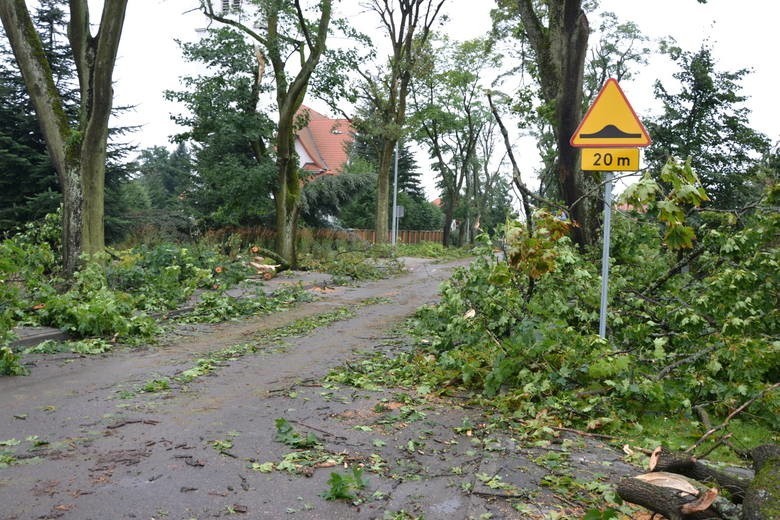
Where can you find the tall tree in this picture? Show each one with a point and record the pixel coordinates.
(28, 181)
(407, 24)
(451, 114)
(707, 121)
(78, 151)
(557, 33)
(229, 133)
(282, 32)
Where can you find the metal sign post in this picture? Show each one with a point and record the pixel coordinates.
(610, 135)
(394, 227)
(605, 254)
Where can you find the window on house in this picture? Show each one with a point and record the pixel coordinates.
(226, 5)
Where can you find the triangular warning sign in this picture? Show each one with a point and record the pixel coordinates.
(610, 122)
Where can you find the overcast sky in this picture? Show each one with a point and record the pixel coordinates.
(739, 32)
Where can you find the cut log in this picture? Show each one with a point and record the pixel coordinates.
(704, 501)
(267, 271)
(664, 460)
(762, 499)
(671, 481)
(667, 501)
(704, 498)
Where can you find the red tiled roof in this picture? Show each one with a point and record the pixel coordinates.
(325, 141)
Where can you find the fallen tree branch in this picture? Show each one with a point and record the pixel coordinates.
(723, 440)
(524, 190)
(733, 414)
(690, 359)
(320, 430)
(676, 269)
(663, 460)
(585, 434)
(119, 424)
(663, 500)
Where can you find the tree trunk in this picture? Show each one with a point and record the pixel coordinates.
(286, 198)
(448, 219)
(762, 498)
(664, 500)
(78, 154)
(72, 218)
(573, 47)
(560, 50)
(288, 188)
(93, 175)
(663, 460)
(385, 167)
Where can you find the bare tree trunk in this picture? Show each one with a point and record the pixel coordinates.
(448, 219)
(572, 45)
(663, 460)
(286, 198)
(669, 502)
(72, 219)
(93, 175)
(383, 191)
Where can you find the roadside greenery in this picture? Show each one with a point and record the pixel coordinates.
(346, 265)
(433, 250)
(693, 325)
(123, 297)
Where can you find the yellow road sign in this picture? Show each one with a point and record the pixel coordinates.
(610, 122)
(610, 159)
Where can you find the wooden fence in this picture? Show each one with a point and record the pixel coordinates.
(405, 236)
(260, 234)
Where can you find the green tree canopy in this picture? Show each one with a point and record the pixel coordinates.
(227, 131)
(707, 121)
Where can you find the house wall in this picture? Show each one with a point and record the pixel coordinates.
(301, 151)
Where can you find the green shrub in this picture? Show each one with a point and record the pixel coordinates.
(521, 333)
(10, 363)
(91, 308)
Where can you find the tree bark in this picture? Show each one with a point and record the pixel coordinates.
(663, 460)
(383, 190)
(560, 50)
(286, 195)
(762, 498)
(78, 154)
(666, 501)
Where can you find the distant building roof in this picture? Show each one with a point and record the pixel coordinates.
(322, 144)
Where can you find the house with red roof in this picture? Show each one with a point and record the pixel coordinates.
(322, 144)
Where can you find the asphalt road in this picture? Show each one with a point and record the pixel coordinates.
(85, 441)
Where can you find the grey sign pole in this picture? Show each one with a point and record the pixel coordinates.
(394, 227)
(605, 254)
